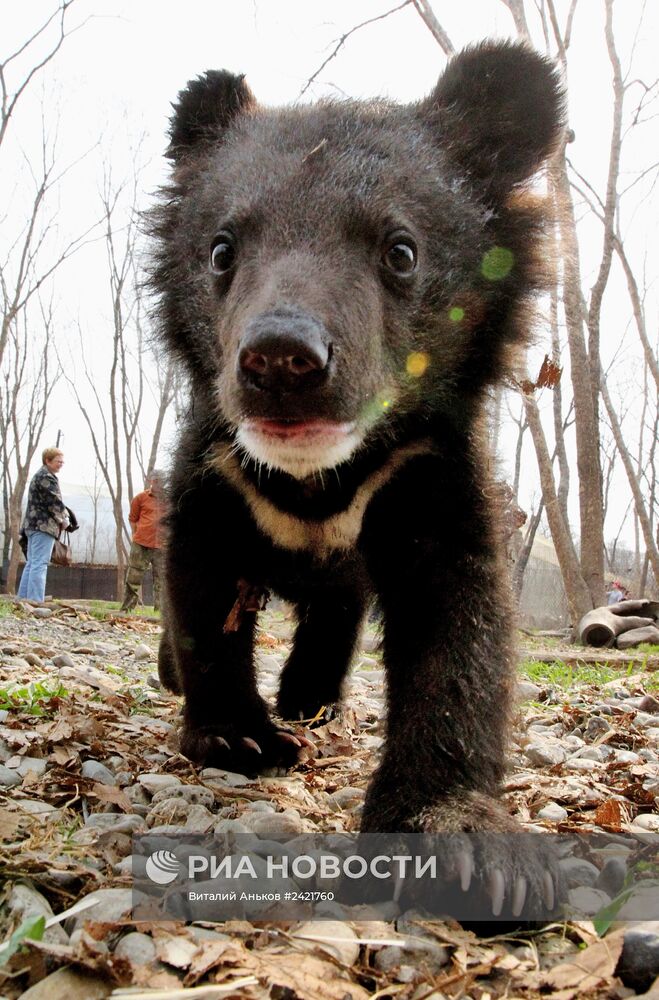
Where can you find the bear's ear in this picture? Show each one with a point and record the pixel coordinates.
(205, 107)
(498, 112)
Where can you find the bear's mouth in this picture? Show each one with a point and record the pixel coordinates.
(298, 447)
(300, 432)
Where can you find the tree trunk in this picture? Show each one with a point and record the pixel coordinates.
(578, 594)
(632, 478)
(586, 428)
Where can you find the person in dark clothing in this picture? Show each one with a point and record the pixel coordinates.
(144, 517)
(45, 518)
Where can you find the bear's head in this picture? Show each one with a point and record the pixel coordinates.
(335, 274)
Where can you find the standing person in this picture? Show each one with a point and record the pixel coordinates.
(144, 517)
(45, 518)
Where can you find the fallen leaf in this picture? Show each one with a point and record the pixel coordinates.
(587, 970)
(609, 814)
(9, 824)
(110, 793)
(307, 976)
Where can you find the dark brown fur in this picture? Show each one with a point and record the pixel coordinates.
(312, 314)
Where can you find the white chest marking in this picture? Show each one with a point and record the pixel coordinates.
(322, 538)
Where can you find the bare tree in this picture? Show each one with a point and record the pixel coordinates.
(121, 387)
(28, 380)
(54, 31)
(632, 478)
(578, 595)
(31, 253)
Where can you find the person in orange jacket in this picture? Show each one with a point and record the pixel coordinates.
(145, 550)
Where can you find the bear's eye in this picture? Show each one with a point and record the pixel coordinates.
(400, 256)
(223, 253)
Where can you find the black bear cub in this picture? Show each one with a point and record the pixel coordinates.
(343, 283)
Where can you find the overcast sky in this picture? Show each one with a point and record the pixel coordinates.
(113, 80)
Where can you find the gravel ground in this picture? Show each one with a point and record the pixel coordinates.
(88, 756)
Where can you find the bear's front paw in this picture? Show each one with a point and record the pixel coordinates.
(502, 870)
(246, 749)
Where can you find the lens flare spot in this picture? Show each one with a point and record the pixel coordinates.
(417, 363)
(497, 263)
(456, 314)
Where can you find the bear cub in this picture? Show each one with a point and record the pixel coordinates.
(343, 283)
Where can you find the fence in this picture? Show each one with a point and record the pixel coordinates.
(87, 582)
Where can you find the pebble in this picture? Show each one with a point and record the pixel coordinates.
(194, 794)
(626, 756)
(155, 782)
(348, 796)
(268, 663)
(178, 812)
(581, 765)
(98, 772)
(214, 776)
(639, 963)
(545, 754)
(553, 812)
(647, 821)
(143, 652)
(526, 691)
(138, 795)
(260, 805)
(69, 983)
(137, 948)
(134, 865)
(110, 906)
(229, 826)
(42, 612)
(596, 726)
(642, 905)
(591, 753)
(579, 872)
(34, 661)
(63, 660)
(276, 826)
(432, 956)
(9, 777)
(152, 722)
(344, 945)
(37, 765)
(649, 703)
(587, 900)
(612, 876)
(25, 901)
(117, 822)
(36, 808)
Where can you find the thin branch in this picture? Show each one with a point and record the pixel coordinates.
(343, 39)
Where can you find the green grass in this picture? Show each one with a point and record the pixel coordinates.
(33, 699)
(564, 675)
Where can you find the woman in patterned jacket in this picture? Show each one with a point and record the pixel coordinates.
(45, 517)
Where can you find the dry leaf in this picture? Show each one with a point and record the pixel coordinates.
(609, 814)
(549, 375)
(309, 977)
(110, 793)
(586, 970)
(9, 824)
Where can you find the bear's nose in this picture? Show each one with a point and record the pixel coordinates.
(284, 353)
